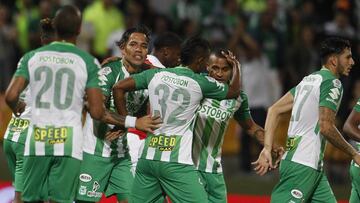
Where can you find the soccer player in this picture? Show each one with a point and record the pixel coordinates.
(165, 54)
(106, 163)
(175, 94)
(211, 123)
(15, 135)
(58, 76)
(313, 103)
(166, 51)
(351, 127)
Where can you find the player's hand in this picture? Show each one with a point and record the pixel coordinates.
(232, 59)
(264, 162)
(148, 123)
(277, 153)
(20, 108)
(356, 158)
(114, 134)
(110, 59)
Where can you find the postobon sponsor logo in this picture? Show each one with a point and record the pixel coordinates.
(215, 112)
(85, 177)
(93, 192)
(296, 193)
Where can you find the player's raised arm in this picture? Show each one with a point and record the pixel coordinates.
(234, 86)
(283, 105)
(119, 90)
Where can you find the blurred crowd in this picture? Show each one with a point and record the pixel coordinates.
(275, 40)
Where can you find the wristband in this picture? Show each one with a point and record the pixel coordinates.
(130, 122)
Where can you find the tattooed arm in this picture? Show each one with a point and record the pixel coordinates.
(253, 129)
(331, 133)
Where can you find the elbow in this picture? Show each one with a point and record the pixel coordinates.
(232, 94)
(10, 97)
(96, 114)
(273, 110)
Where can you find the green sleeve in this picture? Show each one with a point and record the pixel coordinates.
(292, 91)
(357, 106)
(330, 94)
(107, 76)
(22, 67)
(243, 113)
(143, 79)
(93, 68)
(212, 89)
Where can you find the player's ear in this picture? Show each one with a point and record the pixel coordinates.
(333, 59)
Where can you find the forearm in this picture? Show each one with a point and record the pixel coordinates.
(113, 118)
(270, 126)
(257, 133)
(12, 103)
(335, 138)
(120, 102)
(234, 86)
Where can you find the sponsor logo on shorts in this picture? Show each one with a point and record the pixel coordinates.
(93, 192)
(82, 190)
(85, 177)
(296, 193)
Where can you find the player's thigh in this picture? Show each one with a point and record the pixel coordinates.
(93, 177)
(35, 176)
(297, 183)
(63, 179)
(214, 186)
(19, 163)
(146, 186)
(121, 180)
(323, 192)
(355, 184)
(182, 183)
(10, 155)
(14, 154)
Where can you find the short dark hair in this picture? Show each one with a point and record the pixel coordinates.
(193, 48)
(332, 45)
(167, 39)
(138, 29)
(67, 21)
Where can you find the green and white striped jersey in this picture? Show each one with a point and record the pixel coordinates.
(212, 120)
(175, 94)
(305, 144)
(357, 109)
(94, 130)
(18, 126)
(58, 75)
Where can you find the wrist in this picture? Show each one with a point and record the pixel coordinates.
(130, 122)
(268, 147)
